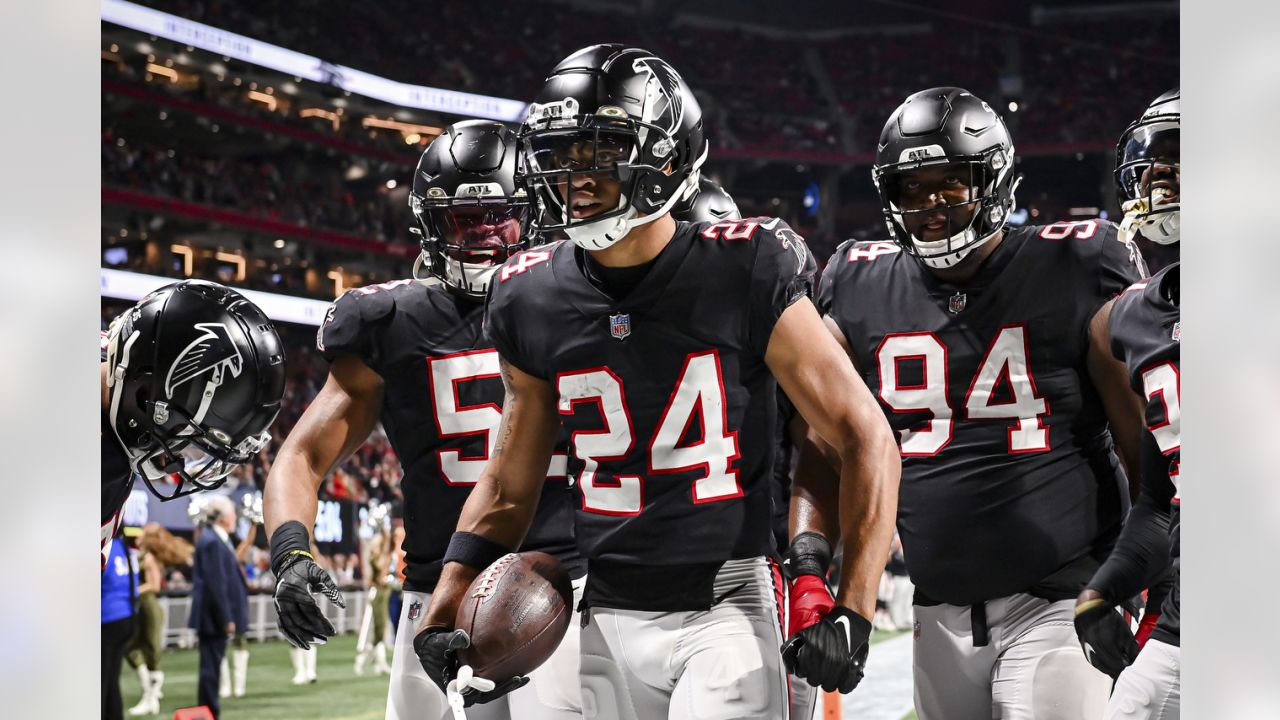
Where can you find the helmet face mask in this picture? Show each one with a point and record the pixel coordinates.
(464, 240)
(954, 147)
(613, 141)
(469, 211)
(941, 234)
(195, 375)
(1147, 174)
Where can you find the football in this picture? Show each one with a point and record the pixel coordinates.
(516, 613)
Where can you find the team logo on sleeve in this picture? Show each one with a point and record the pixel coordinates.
(212, 352)
(620, 325)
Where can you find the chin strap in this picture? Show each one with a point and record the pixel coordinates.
(115, 381)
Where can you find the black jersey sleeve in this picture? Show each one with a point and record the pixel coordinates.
(502, 323)
(1120, 264)
(348, 325)
(824, 294)
(780, 275)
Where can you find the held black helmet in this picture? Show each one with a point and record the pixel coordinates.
(470, 213)
(1149, 149)
(195, 374)
(615, 112)
(710, 204)
(947, 126)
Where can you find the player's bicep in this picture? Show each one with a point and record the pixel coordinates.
(819, 378)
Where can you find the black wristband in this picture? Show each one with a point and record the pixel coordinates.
(474, 551)
(289, 537)
(809, 554)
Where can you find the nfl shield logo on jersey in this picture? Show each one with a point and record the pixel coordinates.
(956, 303)
(620, 325)
(415, 610)
(1177, 331)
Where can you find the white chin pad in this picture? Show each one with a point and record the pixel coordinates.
(468, 276)
(934, 255)
(602, 233)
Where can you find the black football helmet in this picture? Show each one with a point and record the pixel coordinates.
(195, 374)
(710, 204)
(1149, 151)
(469, 210)
(618, 112)
(947, 126)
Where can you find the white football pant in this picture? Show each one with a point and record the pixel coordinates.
(552, 692)
(1150, 688)
(717, 664)
(1032, 668)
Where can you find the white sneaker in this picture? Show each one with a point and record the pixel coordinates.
(147, 704)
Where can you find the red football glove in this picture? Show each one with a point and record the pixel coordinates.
(810, 602)
(1145, 627)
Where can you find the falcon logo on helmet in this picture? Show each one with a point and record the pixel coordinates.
(212, 352)
(662, 94)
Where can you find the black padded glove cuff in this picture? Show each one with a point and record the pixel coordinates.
(809, 554)
(289, 538)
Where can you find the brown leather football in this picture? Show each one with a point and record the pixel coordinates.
(516, 613)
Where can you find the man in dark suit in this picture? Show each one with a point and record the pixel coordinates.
(218, 591)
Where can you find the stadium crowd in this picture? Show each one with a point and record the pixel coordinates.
(1063, 79)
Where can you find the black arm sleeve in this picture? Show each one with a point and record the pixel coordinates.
(1141, 555)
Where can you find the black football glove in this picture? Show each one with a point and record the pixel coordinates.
(437, 650)
(831, 654)
(1104, 635)
(301, 621)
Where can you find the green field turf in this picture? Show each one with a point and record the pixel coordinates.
(338, 695)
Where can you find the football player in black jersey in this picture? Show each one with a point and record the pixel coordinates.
(413, 354)
(1146, 333)
(987, 351)
(808, 597)
(192, 378)
(656, 344)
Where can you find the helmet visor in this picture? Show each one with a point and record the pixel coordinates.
(479, 234)
(578, 176)
(1143, 148)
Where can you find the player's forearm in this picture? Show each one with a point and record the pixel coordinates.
(815, 490)
(497, 514)
(869, 476)
(454, 581)
(292, 491)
